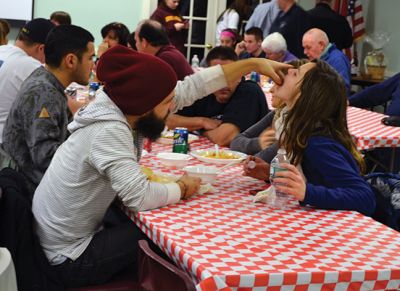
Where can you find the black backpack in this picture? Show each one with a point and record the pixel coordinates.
(386, 187)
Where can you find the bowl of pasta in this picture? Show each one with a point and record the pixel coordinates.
(223, 156)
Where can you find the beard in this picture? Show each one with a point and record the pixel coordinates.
(150, 126)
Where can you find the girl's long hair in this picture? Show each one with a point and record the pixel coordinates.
(319, 110)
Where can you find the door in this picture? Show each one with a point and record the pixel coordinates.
(202, 16)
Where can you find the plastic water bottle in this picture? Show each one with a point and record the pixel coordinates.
(281, 158)
(195, 63)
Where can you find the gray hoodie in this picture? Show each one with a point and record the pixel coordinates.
(97, 163)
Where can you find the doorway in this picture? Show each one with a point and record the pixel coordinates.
(202, 16)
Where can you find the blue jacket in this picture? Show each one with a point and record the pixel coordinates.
(379, 94)
(333, 178)
(339, 62)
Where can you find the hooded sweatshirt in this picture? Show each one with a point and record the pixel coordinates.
(98, 163)
(95, 165)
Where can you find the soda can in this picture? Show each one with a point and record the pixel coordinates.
(180, 144)
(254, 76)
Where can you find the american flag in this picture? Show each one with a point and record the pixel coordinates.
(352, 10)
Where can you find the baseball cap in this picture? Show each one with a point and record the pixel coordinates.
(37, 29)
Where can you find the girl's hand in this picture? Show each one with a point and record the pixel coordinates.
(292, 180)
(179, 26)
(266, 138)
(103, 47)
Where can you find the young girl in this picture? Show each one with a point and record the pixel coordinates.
(316, 137)
(260, 139)
(232, 17)
(228, 37)
(167, 13)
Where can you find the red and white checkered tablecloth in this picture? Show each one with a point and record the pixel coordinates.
(227, 242)
(367, 128)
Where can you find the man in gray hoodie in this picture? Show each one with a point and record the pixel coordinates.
(99, 162)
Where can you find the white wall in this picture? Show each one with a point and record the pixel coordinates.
(92, 14)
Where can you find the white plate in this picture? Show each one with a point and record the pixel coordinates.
(174, 159)
(199, 154)
(168, 138)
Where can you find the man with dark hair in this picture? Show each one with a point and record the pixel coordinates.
(220, 53)
(250, 47)
(332, 23)
(38, 119)
(18, 61)
(151, 38)
(60, 18)
(228, 111)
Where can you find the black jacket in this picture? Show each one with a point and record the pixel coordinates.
(16, 234)
(335, 25)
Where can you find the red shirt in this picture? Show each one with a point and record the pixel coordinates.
(176, 60)
(168, 17)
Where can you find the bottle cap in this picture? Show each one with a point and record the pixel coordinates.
(282, 151)
(251, 165)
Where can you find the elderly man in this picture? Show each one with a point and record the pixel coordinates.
(317, 46)
(274, 46)
(151, 38)
(100, 162)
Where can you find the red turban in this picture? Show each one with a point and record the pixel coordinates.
(135, 82)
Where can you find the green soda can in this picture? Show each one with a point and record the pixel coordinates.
(180, 144)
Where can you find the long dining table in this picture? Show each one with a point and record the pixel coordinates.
(225, 241)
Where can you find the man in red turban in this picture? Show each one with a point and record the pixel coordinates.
(99, 162)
